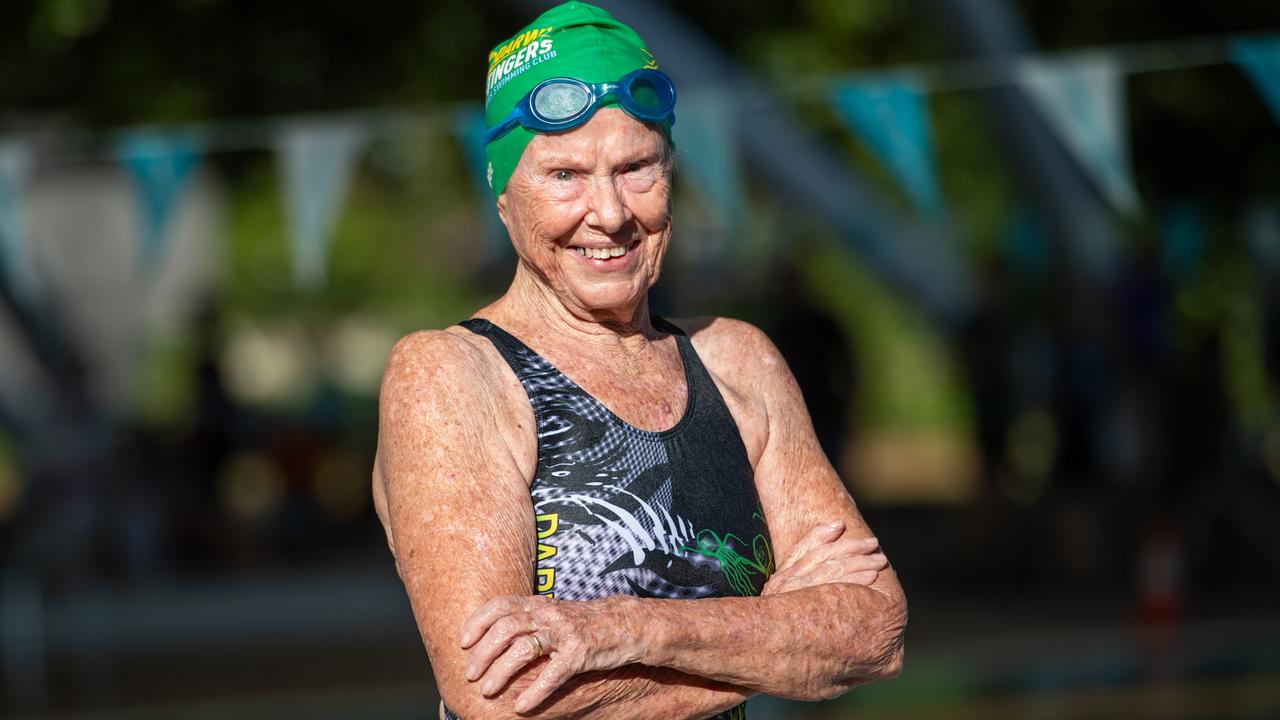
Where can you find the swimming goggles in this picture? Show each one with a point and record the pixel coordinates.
(564, 103)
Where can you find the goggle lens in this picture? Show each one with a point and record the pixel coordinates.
(649, 94)
(560, 101)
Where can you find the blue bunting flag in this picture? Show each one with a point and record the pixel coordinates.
(1259, 58)
(889, 115)
(1082, 99)
(707, 144)
(160, 165)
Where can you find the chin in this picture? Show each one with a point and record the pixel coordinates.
(614, 296)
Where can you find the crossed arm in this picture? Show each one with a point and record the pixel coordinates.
(460, 523)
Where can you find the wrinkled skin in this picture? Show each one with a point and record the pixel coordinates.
(582, 636)
(457, 453)
(608, 186)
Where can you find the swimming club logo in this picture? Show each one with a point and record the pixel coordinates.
(518, 55)
(651, 63)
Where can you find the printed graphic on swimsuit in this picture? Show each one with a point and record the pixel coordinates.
(653, 551)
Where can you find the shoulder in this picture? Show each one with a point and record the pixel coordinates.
(433, 380)
(432, 356)
(449, 385)
(735, 349)
(747, 369)
(452, 368)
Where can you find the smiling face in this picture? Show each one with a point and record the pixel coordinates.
(589, 212)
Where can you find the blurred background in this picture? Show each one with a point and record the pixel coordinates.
(1022, 256)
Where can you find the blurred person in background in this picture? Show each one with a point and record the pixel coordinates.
(562, 475)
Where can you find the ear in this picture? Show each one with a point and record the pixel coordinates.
(501, 204)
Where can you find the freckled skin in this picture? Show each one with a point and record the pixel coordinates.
(457, 453)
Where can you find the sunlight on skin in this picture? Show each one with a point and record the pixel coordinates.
(605, 184)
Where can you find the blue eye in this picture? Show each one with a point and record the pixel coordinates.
(564, 175)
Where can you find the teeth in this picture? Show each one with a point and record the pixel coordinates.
(604, 253)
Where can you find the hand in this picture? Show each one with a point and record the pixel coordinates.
(826, 555)
(509, 633)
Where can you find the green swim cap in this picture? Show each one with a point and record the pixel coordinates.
(573, 40)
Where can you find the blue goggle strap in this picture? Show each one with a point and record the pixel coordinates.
(504, 127)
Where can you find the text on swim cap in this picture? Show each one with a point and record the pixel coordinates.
(523, 59)
(516, 43)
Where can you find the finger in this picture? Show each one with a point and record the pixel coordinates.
(860, 544)
(864, 577)
(837, 543)
(496, 641)
(553, 676)
(834, 551)
(817, 536)
(858, 563)
(847, 547)
(520, 652)
(836, 571)
(487, 614)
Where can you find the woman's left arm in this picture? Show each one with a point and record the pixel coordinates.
(808, 641)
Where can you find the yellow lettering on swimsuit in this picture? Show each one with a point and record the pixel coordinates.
(546, 580)
(553, 523)
(546, 527)
(545, 551)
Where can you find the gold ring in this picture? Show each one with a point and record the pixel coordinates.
(538, 642)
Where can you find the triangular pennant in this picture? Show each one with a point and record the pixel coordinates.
(1082, 99)
(160, 165)
(707, 144)
(15, 264)
(316, 163)
(889, 115)
(469, 126)
(1259, 58)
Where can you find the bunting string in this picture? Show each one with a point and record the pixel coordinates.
(986, 73)
(1079, 93)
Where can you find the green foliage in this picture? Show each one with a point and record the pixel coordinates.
(58, 23)
(166, 385)
(1223, 303)
(909, 380)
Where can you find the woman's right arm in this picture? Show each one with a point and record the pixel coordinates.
(455, 504)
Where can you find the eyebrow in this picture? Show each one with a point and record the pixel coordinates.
(555, 161)
(559, 161)
(651, 156)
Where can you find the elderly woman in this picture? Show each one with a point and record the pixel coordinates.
(597, 512)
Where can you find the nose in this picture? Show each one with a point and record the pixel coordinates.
(608, 212)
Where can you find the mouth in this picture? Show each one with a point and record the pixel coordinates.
(607, 254)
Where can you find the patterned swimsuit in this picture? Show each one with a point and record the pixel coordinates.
(620, 510)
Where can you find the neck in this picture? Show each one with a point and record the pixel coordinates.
(530, 304)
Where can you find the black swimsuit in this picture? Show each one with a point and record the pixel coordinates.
(620, 510)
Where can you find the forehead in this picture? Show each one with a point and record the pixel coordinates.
(609, 134)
